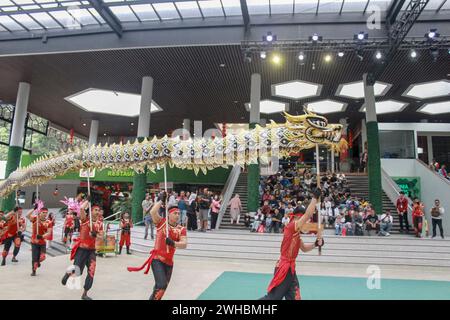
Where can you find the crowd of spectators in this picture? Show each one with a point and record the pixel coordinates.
(291, 188)
(441, 169)
(198, 211)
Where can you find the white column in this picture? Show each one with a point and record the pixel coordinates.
(93, 133)
(430, 149)
(363, 135)
(20, 115)
(198, 129)
(332, 160)
(144, 113)
(369, 101)
(186, 127)
(255, 98)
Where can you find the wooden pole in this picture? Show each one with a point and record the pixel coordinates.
(167, 211)
(89, 196)
(319, 218)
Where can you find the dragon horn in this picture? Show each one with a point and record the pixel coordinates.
(294, 119)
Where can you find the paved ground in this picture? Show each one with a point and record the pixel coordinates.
(191, 277)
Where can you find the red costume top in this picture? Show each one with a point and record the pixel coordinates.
(2, 230)
(42, 227)
(289, 252)
(175, 233)
(69, 221)
(160, 251)
(51, 224)
(417, 211)
(13, 227)
(126, 225)
(402, 205)
(86, 240)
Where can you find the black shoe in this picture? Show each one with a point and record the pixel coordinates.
(85, 297)
(120, 251)
(14, 259)
(65, 278)
(128, 250)
(33, 274)
(153, 238)
(3, 262)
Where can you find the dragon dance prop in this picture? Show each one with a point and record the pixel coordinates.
(199, 154)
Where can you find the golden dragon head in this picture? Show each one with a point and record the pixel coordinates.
(309, 129)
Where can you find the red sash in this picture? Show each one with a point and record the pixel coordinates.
(75, 247)
(284, 265)
(147, 263)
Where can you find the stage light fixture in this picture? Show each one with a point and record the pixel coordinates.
(269, 37)
(248, 56)
(413, 54)
(327, 58)
(378, 55)
(276, 58)
(432, 34)
(301, 56)
(434, 53)
(359, 54)
(315, 38)
(263, 55)
(340, 54)
(361, 36)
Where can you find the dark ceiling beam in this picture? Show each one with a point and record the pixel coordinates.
(245, 14)
(105, 12)
(397, 32)
(393, 11)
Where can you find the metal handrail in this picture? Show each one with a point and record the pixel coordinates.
(395, 187)
(437, 174)
(227, 192)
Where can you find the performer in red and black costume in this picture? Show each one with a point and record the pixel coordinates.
(161, 257)
(14, 226)
(69, 225)
(83, 251)
(285, 282)
(125, 236)
(2, 227)
(41, 230)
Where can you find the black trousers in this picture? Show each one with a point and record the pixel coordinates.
(404, 219)
(86, 258)
(288, 289)
(437, 222)
(214, 217)
(162, 273)
(192, 221)
(37, 255)
(7, 244)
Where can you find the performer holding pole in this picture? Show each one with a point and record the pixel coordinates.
(125, 236)
(285, 282)
(319, 217)
(41, 230)
(14, 226)
(83, 251)
(169, 237)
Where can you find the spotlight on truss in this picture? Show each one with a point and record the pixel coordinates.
(315, 38)
(269, 37)
(361, 36)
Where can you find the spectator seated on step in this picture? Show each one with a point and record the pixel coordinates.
(259, 219)
(285, 221)
(386, 222)
(358, 222)
(371, 221)
(339, 224)
(269, 223)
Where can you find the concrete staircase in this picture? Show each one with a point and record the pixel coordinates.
(359, 186)
(241, 189)
(398, 250)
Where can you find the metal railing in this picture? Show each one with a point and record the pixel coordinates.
(392, 190)
(227, 192)
(436, 173)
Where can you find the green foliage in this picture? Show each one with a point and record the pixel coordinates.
(123, 204)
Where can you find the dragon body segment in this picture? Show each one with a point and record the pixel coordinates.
(199, 154)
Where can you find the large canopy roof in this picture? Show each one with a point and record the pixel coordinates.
(193, 51)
